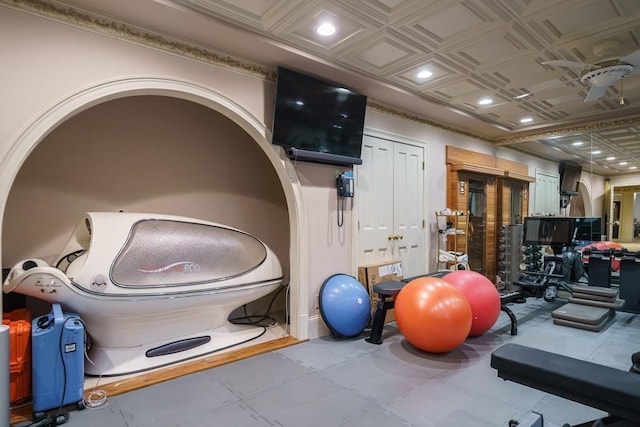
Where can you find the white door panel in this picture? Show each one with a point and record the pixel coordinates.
(375, 201)
(390, 197)
(547, 188)
(408, 205)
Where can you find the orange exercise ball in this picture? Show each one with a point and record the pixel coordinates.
(432, 315)
(482, 295)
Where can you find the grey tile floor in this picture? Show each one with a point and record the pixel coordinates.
(329, 382)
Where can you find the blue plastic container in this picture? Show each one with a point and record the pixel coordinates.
(57, 343)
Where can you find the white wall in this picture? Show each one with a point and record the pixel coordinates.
(54, 62)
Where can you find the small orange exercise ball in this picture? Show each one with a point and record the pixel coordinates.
(432, 315)
(482, 295)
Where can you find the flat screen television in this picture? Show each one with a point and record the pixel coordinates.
(587, 229)
(569, 179)
(552, 231)
(316, 120)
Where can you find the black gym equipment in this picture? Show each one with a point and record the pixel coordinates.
(599, 267)
(629, 284)
(611, 390)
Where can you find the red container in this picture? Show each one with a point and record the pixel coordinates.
(19, 322)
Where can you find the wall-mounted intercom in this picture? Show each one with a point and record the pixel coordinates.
(345, 184)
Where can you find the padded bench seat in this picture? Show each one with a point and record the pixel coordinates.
(611, 390)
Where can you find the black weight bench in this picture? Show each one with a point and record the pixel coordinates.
(388, 290)
(611, 390)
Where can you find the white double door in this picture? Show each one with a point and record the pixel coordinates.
(391, 203)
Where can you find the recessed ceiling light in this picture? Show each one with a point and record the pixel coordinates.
(577, 143)
(596, 152)
(424, 74)
(326, 29)
(526, 120)
(610, 158)
(623, 163)
(485, 101)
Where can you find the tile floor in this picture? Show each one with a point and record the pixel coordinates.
(329, 382)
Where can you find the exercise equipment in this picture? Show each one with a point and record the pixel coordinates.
(483, 298)
(606, 248)
(629, 284)
(611, 390)
(344, 305)
(388, 290)
(600, 266)
(590, 308)
(433, 315)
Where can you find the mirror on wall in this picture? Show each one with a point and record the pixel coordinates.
(609, 155)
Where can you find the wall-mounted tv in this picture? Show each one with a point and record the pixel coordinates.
(553, 231)
(587, 229)
(318, 121)
(569, 179)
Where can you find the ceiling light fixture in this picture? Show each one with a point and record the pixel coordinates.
(524, 95)
(485, 101)
(623, 163)
(526, 120)
(633, 167)
(424, 74)
(610, 158)
(596, 152)
(577, 143)
(326, 29)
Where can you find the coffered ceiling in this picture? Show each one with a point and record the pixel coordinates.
(474, 49)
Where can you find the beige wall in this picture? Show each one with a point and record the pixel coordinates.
(143, 154)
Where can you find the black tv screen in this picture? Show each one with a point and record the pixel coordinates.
(587, 229)
(317, 117)
(552, 231)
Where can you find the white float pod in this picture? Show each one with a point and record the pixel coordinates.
(153, 289)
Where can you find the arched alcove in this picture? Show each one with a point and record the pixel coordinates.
(91, 175)
(581, 204)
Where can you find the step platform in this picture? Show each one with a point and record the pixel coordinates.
(582, 316)
(603, 298)
(596, 292)
(614, 305)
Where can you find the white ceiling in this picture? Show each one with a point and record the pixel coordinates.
(475, 49)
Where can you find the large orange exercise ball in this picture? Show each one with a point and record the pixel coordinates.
(432, 315)
(482, 295)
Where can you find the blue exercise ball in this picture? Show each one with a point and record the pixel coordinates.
(344, 305)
